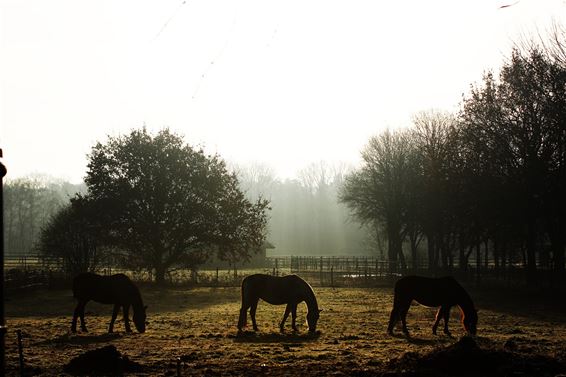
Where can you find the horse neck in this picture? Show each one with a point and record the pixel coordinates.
(310, 300)
(137, 303)
(466, 304)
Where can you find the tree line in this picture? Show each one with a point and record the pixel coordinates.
(29, 203)
(304, 217)
(486, 182)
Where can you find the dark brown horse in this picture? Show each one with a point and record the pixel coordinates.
(290, 290)
(444, 292)
(115, 289)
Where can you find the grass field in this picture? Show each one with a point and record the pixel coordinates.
(193, 332)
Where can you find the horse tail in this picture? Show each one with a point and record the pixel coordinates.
(242, 320)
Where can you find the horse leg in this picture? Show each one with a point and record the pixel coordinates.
(294, 317)
(253, 308)
(287, 311)
(81, 308)
(75, 316)
(403, 311)
(446, 315)
(439, 314)
(114, 315)
(393, 318)
(242, 319)
(127, 317)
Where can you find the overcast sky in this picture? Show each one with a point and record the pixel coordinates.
(282, 82)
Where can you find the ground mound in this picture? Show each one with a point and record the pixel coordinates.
(102, 361)
(466, 358)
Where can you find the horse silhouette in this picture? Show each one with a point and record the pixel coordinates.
(290, 290)
(444, 292)
(115, 289)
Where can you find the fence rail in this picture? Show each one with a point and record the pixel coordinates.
(318, 270)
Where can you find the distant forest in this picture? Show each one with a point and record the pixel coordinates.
(305, 216)
(29, 203)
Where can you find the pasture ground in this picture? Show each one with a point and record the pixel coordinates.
(195, 330)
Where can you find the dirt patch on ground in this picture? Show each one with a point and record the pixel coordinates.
(193, 331)
(105, 361)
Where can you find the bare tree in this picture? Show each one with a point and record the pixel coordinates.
(434, 139)
(377, 194)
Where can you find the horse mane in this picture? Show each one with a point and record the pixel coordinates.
(137, 302)
(311, 299)
(466, 305)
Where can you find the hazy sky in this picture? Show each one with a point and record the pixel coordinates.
(283, 82)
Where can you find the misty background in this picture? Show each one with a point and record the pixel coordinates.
(287, 92)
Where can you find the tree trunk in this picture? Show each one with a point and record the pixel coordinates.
(557, 241)
(395, 252)
(531, 252)
(431, 252)
(160, 271)
(478, 263)
(401, 256)
(462, 257)
(413, 239)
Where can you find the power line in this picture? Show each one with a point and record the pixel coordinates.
(170, 18)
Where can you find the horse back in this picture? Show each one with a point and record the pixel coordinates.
(113, 289)
(429, 291)
(276, 290)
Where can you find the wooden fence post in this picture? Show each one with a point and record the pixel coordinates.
(321, 276)
(332, 276)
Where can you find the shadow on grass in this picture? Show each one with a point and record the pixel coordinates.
(49, 303)
(431, 341)
(535, 304)
(437, 340)
(77, 339)
(253, 337)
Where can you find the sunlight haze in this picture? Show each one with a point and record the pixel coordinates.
(285, 83)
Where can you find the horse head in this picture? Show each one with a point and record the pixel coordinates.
(139, 319)
(470, 322)
(312, 319)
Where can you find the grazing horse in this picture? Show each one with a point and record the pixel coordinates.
(290, 290)
(444, 292)
(115, 289)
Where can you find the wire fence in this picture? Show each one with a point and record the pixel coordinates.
(30, 271)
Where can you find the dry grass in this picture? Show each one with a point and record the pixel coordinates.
(198, 327)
